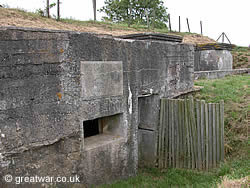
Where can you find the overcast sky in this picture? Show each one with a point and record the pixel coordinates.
(229, 16)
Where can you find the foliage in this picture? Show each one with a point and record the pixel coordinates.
(136, 12)
(52, 5)
(42, 12)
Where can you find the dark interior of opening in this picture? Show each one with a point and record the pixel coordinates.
(90, 128)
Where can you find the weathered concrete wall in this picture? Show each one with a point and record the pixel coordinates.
(207, 60)
(45, 98)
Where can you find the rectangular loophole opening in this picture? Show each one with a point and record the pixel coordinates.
(91, 128)
(101, 131)
(104, 126)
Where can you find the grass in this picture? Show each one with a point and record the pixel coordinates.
(152, 177)
(241, 57)
(122, 26)
(234, 90)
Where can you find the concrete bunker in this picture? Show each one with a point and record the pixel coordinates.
(213, 56)
(53, 83)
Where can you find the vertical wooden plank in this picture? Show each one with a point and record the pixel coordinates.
(163, 134)
(202, 134)
(177, 136)
(193, 133)
(210, 128)
(166, 134)
(214, 137)
(217, 133)
(159, 133)
(180, 117)
(206, 136)
(190, 135)
(170, 133)
(185, 147)
(173, 136)
(184, 141)
(199, 146)
(187, 135)
(222, 128)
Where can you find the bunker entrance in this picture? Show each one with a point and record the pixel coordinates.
(91, 128)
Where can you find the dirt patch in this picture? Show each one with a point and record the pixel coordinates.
(197, 39)
(19, 18)
(239, 183)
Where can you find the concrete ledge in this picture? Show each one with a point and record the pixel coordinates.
(218, 73)
(101, 140)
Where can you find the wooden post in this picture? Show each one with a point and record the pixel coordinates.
(180, 132)
(48, 9)
(214, 136)
(207, 133)
(58, 10)
(185, 144)
(187, 122)
(163, 147)
(202, 134)
(94, 9)
(169, 22)
(199, 145)
(170, 132)
(159, 134)
(188, 26)
(179, 24)
(193, 134)
(217, 133)
(219, 37)
(177, 136)
(227, 38)
(166, 164)
(222, 128)
(210, 133)
(201, 27)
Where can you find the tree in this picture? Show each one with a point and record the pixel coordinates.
(136, 11)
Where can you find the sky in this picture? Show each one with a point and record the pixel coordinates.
(217, 16)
